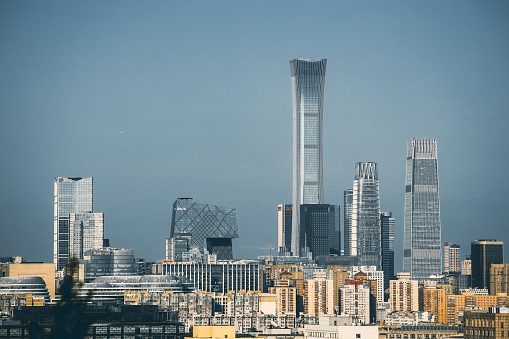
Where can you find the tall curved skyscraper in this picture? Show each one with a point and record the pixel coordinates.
(308, 80)
(422, 239)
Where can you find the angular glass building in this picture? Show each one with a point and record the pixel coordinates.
(198, 225)
(308, 80)
(365, 227)
(71, 195)
(422, 231)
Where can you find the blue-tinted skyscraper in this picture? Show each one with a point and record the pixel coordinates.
(387, 229)
(71, 195)
(422, 239)
(308, 80)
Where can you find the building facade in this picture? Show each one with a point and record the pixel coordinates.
(347, 222)
(483, 253)
(318, 222)
(308, 81)
(387, 230)
(71, 195)
(86, 232)
(404, 294)
(452, 258)
(284, 229)
(365, 230)
(202, 226)
(499, 279)
(422, 230)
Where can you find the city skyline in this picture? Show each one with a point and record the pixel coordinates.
(163, 100)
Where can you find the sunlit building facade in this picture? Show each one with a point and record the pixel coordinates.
(86, 232)
(71, 195)
(284, 229)
(422, 230)
(308, 80)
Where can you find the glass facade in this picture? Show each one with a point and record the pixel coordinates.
(71, 195)
(317, 222)
(198, 225)
(365, 228)
(483, 253)
(422, 230)
(86, 232)
(347, 221)
(308, 80)
(387, 229)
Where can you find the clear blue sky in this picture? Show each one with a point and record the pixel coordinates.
(202, 91)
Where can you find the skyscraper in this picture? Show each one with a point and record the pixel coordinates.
(317, 222)
(387, 229)
(422, 232)
(86, 232)
(365, 228)
(485, 252)
(347, 222)
(198, 225)
(71, 195)
(308, 80)
(284, 228)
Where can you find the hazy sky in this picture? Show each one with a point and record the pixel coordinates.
(165, 99)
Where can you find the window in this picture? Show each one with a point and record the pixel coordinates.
(357, 335)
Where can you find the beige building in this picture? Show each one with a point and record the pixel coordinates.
(499, 278)
(44, 270)
(404, 293)
(456, 304)
(319, 295)
(487, 325)
(286, 297)
(213, 332)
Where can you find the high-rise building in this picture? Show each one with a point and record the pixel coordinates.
(404, 294)
(201, 226)
(317, 222)
(483, 253)
(452, 258)
(422, 231)
(284, 228)
(499, 279)
(365, 228)
(347, 222)
(387, 229)
(71, 195)
(308, 80)
(86, 232)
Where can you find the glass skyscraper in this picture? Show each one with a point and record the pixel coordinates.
(308, 80)
(347, 222)
(422, 231)
(485, 252)
(71, 195)
(365, 232)
(387, 229)
(198, 225)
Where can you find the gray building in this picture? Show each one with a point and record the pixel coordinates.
(347, 222)
(387, 229)
(319, 232)
(71, 195)
(365, 231)
(422, 230)
(202, 226)
(308, 81)
(109, 262)
(284, 229)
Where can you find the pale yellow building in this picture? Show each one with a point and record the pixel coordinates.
(470, 301)
(404, 294)
(499, 278)
(435, 302)
(286, 296)
(213, 332)
(44, 270)
(318, 296)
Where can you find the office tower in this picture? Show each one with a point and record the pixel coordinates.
(485, 252)
(335, 231)
(86, 232)
(365, 229)
(198, 225)
(71, 195)
(317, 222)
(422, 235)
(284, 228)
(308, 80)
(499, 279)
(465, 279)
(387, 229)
(452, 258)
(347, 222)
(404, 294)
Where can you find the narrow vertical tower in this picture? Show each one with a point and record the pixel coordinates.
(422, 238)
(365, 226)
(308, 80)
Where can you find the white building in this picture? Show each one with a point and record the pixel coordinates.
(354, 301)
(335, 328)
